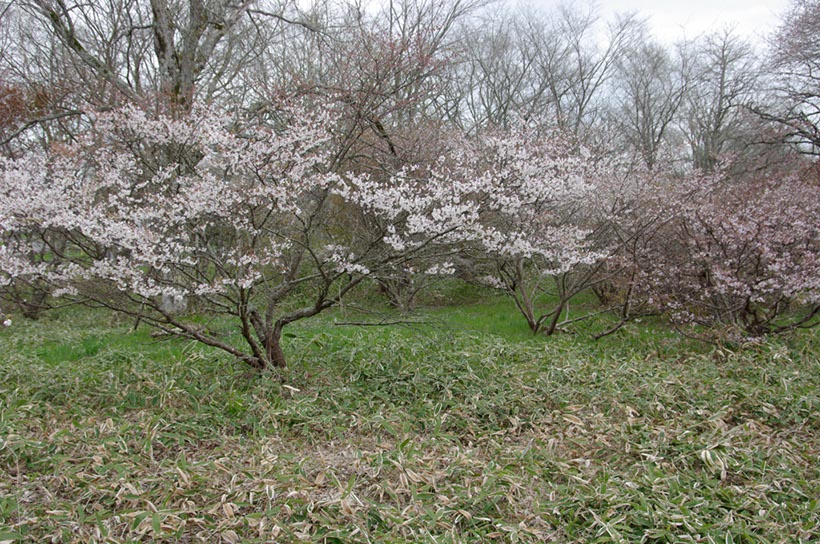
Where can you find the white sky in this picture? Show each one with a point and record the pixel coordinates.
(672, 20)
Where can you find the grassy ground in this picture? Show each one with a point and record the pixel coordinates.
(467, 430)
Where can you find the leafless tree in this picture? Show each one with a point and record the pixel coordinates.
(795, 52)
(530, 64)
(577, 60)
(650, 87)
(724, 75)
(172, 52)
(495, 76)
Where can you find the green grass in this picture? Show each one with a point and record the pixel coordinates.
(463, 429)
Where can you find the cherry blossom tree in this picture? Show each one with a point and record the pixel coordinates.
(740, 253)
(221, 216)
(630, 210)
(6, 320)
(534, 244)
(163, 218)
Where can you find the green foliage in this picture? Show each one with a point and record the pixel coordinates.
(465, 429)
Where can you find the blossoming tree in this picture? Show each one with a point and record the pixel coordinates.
(221, 216)
(535, 243)
(205, 215)
(744, 254)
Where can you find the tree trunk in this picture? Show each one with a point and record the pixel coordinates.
(273, 346)
(277, 356)
(553, 325)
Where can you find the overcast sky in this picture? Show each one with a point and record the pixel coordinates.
(672, 20)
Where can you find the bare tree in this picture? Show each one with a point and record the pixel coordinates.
(496, 76)
(576, 61)
(723, 86)
(525, 63)
(795, 52)
(651, 85)
(172, 52)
